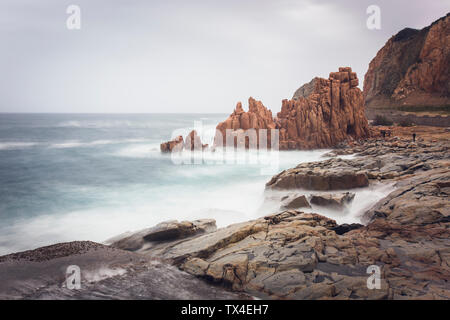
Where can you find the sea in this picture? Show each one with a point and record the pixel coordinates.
(66, 177)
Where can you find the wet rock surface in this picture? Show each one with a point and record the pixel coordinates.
(106, 273)
(164, 233)
(332, 174)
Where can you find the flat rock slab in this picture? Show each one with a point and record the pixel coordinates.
(333, 174)
(106, 273)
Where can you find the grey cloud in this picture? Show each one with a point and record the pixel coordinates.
(185, 56)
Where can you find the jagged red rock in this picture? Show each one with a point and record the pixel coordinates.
(173, 145)
(321, 114)
(258, 117)
(192, 142)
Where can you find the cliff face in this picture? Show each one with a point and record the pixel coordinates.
(411, 69)
(322, 114)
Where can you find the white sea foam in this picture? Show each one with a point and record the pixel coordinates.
(102, 273)
(227, 204)
(105, 124)
(364, 199)
(16, 145)
(79, 144)
(347, 156)
(139, 151)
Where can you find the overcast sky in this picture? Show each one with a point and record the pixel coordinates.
(185, 55)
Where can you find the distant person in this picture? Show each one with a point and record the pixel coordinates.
(389, 133)
(383, 133)
(414, 137)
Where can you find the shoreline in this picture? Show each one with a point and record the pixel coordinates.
(297, 255)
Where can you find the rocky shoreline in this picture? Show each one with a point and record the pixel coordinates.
(289, 254)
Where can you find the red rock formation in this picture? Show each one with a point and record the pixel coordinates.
(328, 112)
(192, 142)
(257, 117)
(173, 145)
(411, 69)
(321, 114)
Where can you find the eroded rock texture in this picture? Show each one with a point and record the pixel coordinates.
(321, 114)
(239, 122)
(411, 69)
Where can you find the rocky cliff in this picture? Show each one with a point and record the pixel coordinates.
(321, 114)
(411, 69)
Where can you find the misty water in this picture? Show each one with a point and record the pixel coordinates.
(67, 177)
